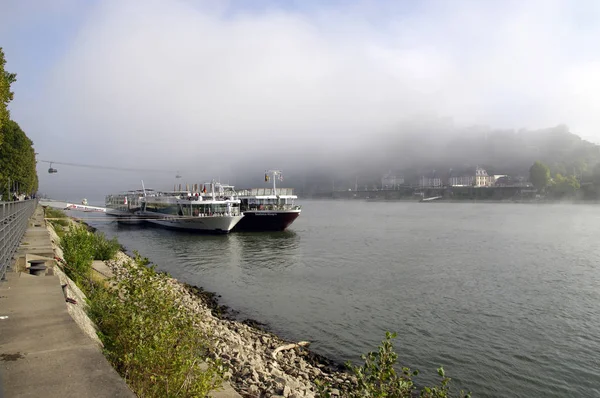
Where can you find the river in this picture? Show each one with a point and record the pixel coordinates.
(505, 296)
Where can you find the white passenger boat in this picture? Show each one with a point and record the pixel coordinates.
(214, 209)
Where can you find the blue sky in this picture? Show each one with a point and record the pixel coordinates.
(108, 76)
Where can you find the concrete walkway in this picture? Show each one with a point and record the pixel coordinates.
(43, 353)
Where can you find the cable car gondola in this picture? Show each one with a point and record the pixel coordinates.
(51, 170)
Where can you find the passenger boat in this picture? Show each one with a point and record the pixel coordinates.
(126, 206)
(268, 209)
(215, 209)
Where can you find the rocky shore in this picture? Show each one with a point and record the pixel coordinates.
(258, 363)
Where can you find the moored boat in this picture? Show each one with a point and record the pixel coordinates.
(126, 206)
(268, 209)
(212, 210)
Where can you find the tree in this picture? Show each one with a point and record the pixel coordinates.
(539, 175)
(564, 186)
(17, 160)
(6, 79)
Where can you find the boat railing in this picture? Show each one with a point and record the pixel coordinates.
(266, 192)
(274, 207)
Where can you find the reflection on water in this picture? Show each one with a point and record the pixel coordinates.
(270, 250)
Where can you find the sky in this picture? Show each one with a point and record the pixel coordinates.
(209, 88)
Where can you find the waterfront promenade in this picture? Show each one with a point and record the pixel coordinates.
(43, 352)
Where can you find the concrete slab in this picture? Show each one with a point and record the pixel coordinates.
(101, 268)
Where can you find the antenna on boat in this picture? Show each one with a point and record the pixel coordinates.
(143, 188)
(274, 175)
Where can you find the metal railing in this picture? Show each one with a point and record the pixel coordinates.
(13, 223)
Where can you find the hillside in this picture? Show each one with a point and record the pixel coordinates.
(422, 150)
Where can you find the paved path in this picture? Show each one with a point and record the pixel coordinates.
(43, 353)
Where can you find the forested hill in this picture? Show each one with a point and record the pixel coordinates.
(427, 149)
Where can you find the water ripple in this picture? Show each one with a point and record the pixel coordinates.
(505, 297)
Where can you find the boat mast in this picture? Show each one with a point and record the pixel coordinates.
(274, 174)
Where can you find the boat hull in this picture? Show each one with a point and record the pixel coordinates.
(125, 217)
(211, 225)
(264, 220)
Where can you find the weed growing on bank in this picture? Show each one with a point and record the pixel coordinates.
(81, 248)
(152, 342)
(58, 220)
(148, 337)
(378, 378)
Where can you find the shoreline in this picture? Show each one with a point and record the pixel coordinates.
(259, 362)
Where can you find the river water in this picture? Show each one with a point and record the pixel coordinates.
(505, 296)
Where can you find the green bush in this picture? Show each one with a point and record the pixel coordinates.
(78, 247)
(105, 249)
(60, 218)
(377, 378)
(149, 339)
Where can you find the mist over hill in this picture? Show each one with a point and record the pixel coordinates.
(417, 148)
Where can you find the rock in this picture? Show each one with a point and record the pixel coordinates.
(253, 389)
(335, 392)
(287, 391)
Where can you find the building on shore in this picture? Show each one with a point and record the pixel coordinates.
(430, 182)
(391, 181)
(463, 181)
(479, 178)
(482, 179)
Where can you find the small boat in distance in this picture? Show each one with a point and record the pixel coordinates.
(431, 199)
(268, 209)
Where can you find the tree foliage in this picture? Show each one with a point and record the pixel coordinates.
(539, 175)
(564, 186)
(6, 79)
(17, 161)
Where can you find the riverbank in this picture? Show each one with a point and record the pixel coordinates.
(257, 363)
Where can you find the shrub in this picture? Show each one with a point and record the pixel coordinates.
(59, 217)
(377, 377)
(78, 250)
(81, 247)
(149, 339)
(105, 249)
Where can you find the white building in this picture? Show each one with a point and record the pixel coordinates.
(464, 181)
(430, 182)
(479, 179)
(391, 181)
(482, 179)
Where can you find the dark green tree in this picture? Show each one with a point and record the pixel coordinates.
(17, 161)
(539, 175)
(6, 79)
